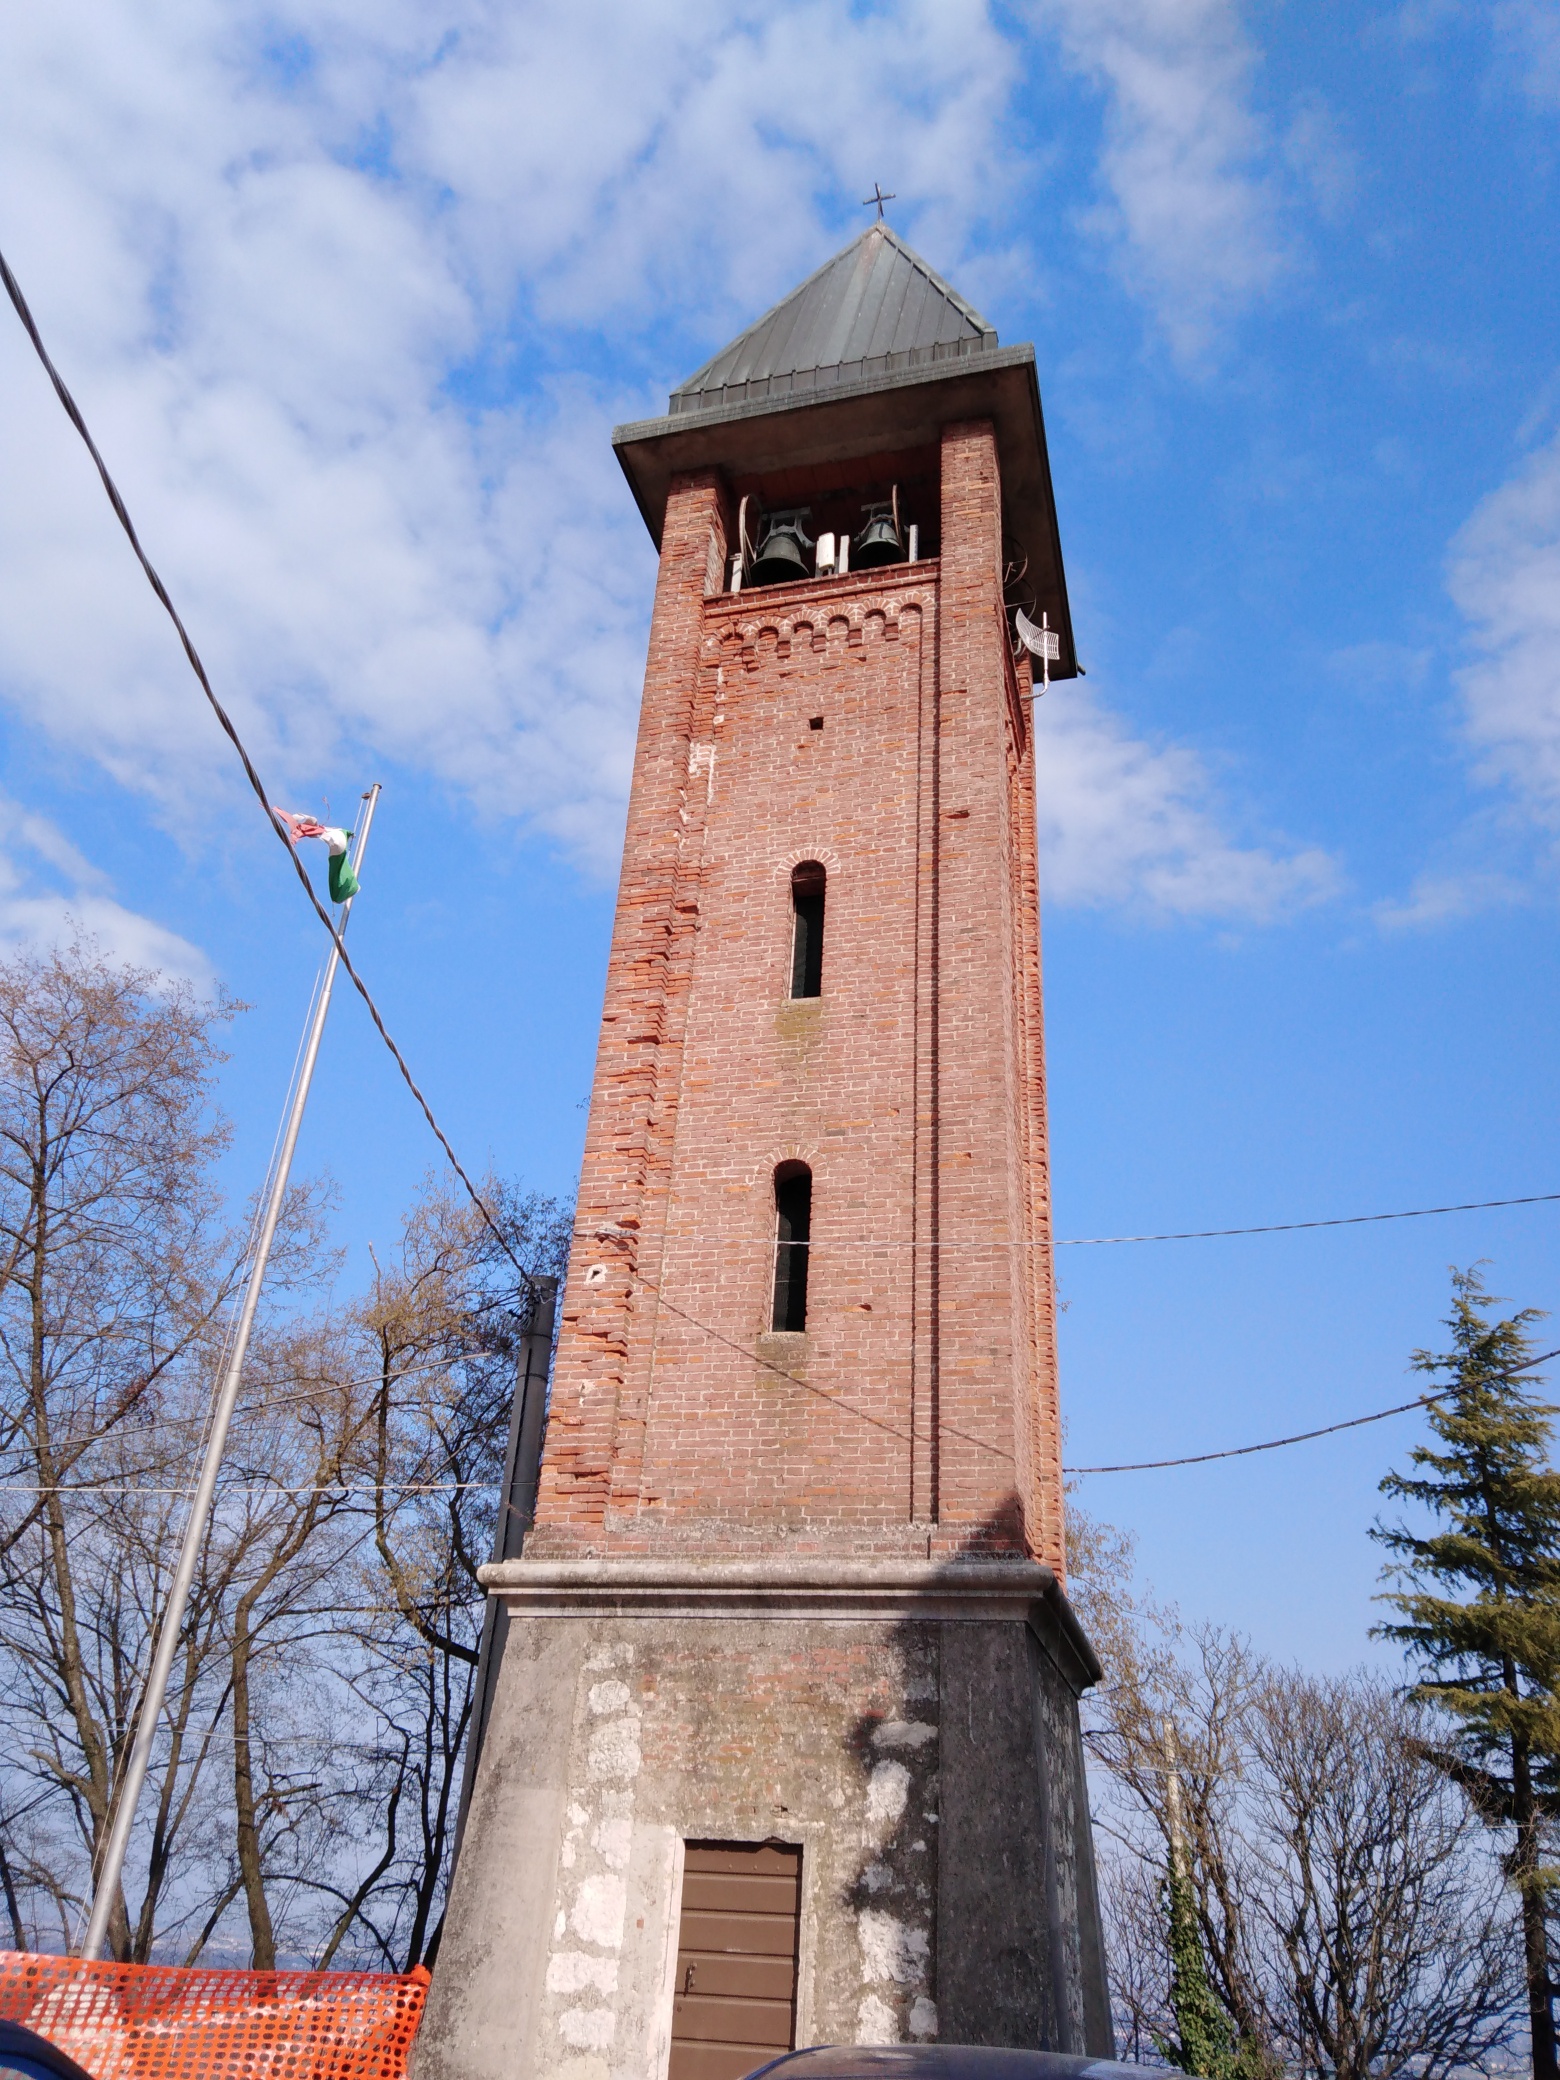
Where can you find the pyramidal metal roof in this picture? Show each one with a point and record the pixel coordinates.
(874, 309)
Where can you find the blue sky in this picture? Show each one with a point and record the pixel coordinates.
(353, 295)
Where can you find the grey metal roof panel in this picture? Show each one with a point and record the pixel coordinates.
(876, 307)
(885, 308)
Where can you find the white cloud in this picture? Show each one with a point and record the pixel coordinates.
(1122, 821)
(1316, 152)
(279, 253)
(265, 245)
(1438, 898)
(1527, 34)
(49, 891)
(666, 150)
(1504, 575)
(1191, 211)
(1381, 670)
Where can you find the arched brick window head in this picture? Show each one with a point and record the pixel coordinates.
(793, 1240)
(807, 886)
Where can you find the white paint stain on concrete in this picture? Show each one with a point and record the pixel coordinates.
(923, 2017)
(586, 2065)
(615, 1656)
(890, 1948)
(875, 2023)
(588, 2029)
(614, 1755)
(614, 1839)
(903, 1733)
(888, 1789)
(599, 1909)
(574, 1971)
(593, 1893)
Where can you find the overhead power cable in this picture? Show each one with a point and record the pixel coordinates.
(1241, 1451)
(1347, 1220)
(764, 1364)
(323, 1385)
(73, 413)
(121, 512)
(1274, 1444)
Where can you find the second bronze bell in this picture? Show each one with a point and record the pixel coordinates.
(880, 540)
(785, 551)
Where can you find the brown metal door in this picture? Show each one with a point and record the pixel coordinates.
(735, 2002)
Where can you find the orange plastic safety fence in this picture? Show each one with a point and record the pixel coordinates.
(177, 2022)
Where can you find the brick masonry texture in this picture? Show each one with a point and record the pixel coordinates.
(703, 1641)
(917, 1414)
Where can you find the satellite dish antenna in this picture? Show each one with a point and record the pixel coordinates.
(1043, 642)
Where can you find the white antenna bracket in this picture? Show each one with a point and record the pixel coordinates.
(1043, 642)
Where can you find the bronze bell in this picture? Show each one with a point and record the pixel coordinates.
(879, 542)
(784, 555)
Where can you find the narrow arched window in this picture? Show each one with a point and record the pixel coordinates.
(793, 1240)
(807, 886)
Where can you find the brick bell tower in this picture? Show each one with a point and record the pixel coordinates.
(784, 1746)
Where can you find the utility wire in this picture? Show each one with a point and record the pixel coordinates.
(73, 413)
(121, 511)
(792, 1379)
(1275, 1444)
(314, 1395)
(330, 1490)
(1348, 1220)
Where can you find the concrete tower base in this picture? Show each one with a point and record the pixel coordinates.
(912, 1727)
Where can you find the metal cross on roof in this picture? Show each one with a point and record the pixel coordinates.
(878, 197)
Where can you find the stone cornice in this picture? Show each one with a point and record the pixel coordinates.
(844, 1591)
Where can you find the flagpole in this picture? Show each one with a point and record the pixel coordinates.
(112, 1868)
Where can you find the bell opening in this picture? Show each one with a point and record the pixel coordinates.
(831, 521)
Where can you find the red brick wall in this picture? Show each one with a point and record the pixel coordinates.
(918, 1413)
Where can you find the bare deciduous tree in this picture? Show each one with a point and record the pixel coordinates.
(112, 1269)
(1387, 1924)
(303, 1795)
(446, 1323)
(1353, 1919)
(292, 1518)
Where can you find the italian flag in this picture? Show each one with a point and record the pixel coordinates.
(343, 882)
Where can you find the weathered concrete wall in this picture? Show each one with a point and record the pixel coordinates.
(927, 1765)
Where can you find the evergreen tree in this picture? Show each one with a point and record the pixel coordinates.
(1480, 1602)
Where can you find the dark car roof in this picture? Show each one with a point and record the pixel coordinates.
(939, 2062)
(24, 2051)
